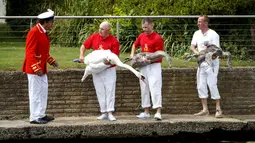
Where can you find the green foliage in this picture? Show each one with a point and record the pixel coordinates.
(26, 8)
(68, 32)
(127, 29)
(237, 52)
(73, 32)
(177, 32)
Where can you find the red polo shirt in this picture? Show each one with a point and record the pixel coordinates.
(96, 42)
(150, 43)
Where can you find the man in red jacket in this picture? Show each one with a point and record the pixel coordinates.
(35, 66)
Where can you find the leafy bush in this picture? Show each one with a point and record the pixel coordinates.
(26, 8)
(235, 33)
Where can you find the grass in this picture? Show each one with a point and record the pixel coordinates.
(12, 52)
(12, 57)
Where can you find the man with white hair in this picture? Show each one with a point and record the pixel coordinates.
(206, 74)
(105, 81)
(35, 66)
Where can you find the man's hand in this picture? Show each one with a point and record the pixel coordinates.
(131, 56)
(55, 64)
(81, 59)
(39, 72)
(196, 53)
(107, 62)
(147, 61)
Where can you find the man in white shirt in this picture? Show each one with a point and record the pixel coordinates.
(206, 74)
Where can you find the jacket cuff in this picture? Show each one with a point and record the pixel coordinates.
(36, 67)
(50, 60)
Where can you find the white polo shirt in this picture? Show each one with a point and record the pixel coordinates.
(199, 39)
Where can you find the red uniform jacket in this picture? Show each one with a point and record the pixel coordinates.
(37, 51)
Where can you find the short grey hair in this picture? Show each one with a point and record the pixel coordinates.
(106, 24)
(147, 19)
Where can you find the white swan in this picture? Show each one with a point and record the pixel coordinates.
(95, 63)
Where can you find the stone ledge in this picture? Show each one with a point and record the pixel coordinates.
(124, 127)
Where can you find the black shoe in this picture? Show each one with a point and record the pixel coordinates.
(48, 118)
(39, 121)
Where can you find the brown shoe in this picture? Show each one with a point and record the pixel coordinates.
(218, 114)
(202, 113)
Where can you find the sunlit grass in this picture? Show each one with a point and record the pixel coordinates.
(12, 57)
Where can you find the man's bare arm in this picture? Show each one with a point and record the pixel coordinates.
(156, 58)
(82, 51)
(132, 51)
(194, 50)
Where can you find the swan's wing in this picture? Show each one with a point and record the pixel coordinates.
(208, 57)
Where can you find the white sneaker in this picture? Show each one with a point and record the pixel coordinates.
(157, 116)
(103, 117)
(111, 117)
(143, 115)
(218, 114)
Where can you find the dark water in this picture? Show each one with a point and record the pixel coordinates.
(146, 141)
(214, 136)
(126, 140)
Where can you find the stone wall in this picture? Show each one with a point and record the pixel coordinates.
(68, 96)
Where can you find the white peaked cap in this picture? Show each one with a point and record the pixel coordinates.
(46, 15)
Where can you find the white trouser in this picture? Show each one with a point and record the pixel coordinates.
(152, 86)
(105, 85)
(38, 94)
(207, 75)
